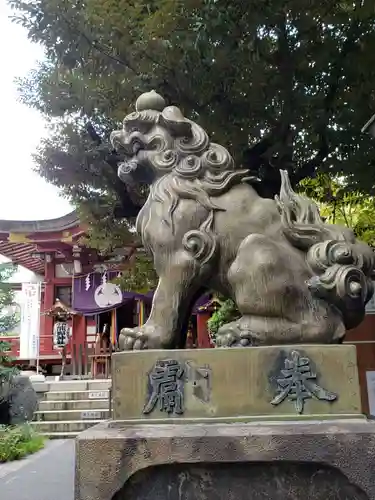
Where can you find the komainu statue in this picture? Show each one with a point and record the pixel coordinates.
(294, 278)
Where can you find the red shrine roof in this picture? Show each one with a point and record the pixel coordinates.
(60, 309)
(21, 241)
(21, 253)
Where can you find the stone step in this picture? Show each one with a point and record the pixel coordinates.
(80, 385)
(68, 385)
(60, 435)
(74, 404)
(70, 415)
(52, 427)
(76, 395)
(99, 385)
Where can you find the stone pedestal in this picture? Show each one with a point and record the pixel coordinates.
(286, 461)
(256, 423)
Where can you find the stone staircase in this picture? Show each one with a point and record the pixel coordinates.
(69, 407)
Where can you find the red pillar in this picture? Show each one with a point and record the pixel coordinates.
(203, 338)
(79, 331)
(46, 341)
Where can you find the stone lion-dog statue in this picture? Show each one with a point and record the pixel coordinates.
(294, 278)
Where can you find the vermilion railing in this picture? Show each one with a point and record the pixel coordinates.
(14, 342)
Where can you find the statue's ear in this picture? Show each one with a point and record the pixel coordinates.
(174, 121)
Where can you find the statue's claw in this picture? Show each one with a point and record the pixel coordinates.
(130, 339)
(231, 335)
(139, 338)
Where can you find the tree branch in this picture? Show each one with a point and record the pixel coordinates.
(285, 63)
(350, 45)
(97, 46)
(124, 61)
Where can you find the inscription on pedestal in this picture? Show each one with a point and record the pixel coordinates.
(236, 383)
(166, 386)
(297, 382)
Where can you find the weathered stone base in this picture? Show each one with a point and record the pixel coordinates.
(238, 382)
(283, 461)
(285, 481)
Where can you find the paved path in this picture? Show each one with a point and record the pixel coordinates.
(47, 475)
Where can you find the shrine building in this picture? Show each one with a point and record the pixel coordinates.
(77, 288)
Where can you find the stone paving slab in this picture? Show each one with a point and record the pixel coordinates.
(49, 474)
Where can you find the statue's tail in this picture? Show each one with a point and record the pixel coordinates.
(341, 266)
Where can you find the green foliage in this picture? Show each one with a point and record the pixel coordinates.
(139, 276)
(103, 231)
(6, 370)
(18, 442)
(299, 70)
(226, 313)
(340, 205)
(7, 321)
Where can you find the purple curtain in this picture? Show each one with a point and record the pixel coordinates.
(92, 296)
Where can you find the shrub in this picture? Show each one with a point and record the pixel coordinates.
(226, 313)
(18, 442)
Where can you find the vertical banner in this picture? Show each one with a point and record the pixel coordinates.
(30, 321)
(113, 330)
(141, 312)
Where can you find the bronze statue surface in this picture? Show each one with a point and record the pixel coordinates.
(294, 278)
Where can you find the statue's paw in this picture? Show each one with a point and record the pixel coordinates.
(139, 338)
(231, 335)
(131, 339)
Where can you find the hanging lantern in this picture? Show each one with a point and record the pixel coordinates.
(61, 334)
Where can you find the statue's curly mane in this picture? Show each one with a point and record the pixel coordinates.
(174, 144)
(187, 166)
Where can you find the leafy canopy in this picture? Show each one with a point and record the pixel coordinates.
(7, 318)
(339, 205)
(296, 75)
(7, 321)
